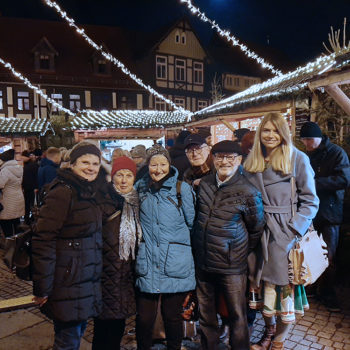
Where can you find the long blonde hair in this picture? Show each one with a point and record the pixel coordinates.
(280, 158)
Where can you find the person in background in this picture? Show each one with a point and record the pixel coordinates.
(164, 263)
(67, 248)
(11, 198)
(247, 143)
(177, 154)
(121, 235)
(30, 182)
(239, 133)
(49, 166)
(65, 163)
(138, 154)
(198, 153)
(229, 224)
(206, 134)
(271, 166)
(332, 175)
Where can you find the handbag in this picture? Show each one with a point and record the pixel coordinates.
(308, 258)
(190, 307)
(17, 256)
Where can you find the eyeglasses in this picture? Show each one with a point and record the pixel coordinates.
(195, 149)
(220, 157)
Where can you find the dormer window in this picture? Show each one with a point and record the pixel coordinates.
(101, 67)
(183, 38)
(177, 37)
(44, 62)
(44, 56)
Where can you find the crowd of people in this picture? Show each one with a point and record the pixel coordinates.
(136, 235)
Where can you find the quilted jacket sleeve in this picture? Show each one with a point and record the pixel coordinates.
(188, 203)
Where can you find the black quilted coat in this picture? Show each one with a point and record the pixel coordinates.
(118, 294)
(67, 250)
(229, 224)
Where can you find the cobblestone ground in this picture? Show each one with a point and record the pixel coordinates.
(30, 330)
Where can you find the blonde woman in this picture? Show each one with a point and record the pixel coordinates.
(271, 164)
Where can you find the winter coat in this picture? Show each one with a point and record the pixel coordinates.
(281, 228)
(67, 250)
(118, 295)
(164, 263)
(12, 198)
(47, 172)
(30, 175)
(332, 176)
(179, 159)
(229, 224)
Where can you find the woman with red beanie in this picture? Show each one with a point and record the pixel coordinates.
(121, 234)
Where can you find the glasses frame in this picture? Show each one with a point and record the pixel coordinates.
(197, 150)
(225, 156)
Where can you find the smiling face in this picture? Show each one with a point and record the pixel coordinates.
(158, 167)
(197, 154)
(270, 137)
(226, 164)
(124, 180)
(87, 166)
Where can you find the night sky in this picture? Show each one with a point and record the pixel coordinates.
(295, 27)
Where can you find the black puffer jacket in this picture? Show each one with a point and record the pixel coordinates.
(332, 177)
(179, 159)
(230, 222)
(118, 295)
(67, 250)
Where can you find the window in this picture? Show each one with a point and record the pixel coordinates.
(198, 73)
(58, 99)
(44, 62)
(183, 38)
(101, 67)
(202, 104)
(180, 70)
(161, 67)
(124, 103)
(23, 100)
(246, 82)
(229, 81)
(1, 101)
(160, 105)
(74, 102)
(236, 81)
(180, 102)
(177, 37)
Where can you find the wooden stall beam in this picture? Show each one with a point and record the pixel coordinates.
(336, 78)
(339, 96)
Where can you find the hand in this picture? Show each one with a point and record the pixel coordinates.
(40, 300)
(196, 182)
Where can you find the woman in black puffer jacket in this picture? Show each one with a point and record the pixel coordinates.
(67, 249)
(121, 232)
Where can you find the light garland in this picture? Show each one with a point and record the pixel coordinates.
(230, 38)
(89, 119)
(110, 57)
(24, 126)
(35, 88)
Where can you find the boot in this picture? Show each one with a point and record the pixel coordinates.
(265, 342)
(277, 345)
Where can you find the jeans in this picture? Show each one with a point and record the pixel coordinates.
(327, 281)
(68, 335)
(233, 288)
(171, 309)
(108, 334)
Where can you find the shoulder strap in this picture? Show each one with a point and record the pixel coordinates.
(178, 194)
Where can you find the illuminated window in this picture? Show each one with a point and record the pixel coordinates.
(74, 102)
(58, 99)
(161, 67)
(198, 73)
(1, 101)
(180, 102)
(23, 101)
(160, 105)
(180, 66)
(202, 104)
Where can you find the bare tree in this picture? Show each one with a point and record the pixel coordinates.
(334, 42)
(216, 90)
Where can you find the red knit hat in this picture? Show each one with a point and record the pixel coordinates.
(123, 162)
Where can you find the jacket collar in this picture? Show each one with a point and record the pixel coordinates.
(233, 179)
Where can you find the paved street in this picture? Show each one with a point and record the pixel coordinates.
(28, 329)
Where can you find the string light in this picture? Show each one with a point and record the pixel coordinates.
(35, 88)
(10, 126)
(110, 57)
(230, 38)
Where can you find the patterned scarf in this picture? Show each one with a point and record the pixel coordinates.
(130, 228)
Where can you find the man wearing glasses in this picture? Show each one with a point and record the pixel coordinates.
(198, 153)
(229, 224)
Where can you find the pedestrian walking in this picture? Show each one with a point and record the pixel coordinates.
(49, 166)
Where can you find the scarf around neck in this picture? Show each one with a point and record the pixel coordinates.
(130, 231)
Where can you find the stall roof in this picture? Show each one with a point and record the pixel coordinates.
(277, 88)
(123, 119)
(25, 127)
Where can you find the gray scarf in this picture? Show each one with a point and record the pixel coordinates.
(130, 228)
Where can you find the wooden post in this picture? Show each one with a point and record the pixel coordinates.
(338, 95)
(228, 125)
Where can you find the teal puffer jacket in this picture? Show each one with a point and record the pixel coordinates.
(164, 262)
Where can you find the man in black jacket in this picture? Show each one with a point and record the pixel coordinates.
(229, 224)
(332, 177)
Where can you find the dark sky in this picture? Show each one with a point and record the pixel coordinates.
(296, 27)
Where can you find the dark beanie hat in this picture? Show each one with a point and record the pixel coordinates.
(123, 162)
(227, 146)
(181, 137)
(157, 150)
(310, 129)
(239, 133)
(81, 150)
(8, 155)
